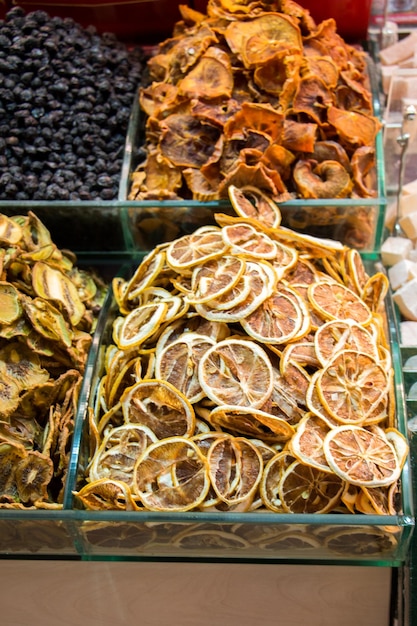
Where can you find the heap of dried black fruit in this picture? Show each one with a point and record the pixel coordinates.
(65, 100)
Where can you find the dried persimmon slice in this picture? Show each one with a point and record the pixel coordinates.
(171, 475)
(361, 457)
(236, 372)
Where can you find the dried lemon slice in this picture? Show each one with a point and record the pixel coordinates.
(172, 475)
(262, 280)
(351, 386)
(107, 494)
(140, 324)
(190, 250)
(279, 319)
(307, 443)
(251, 422)
(361, 457)
(235, 468)
(335, 301)
(251, 202)
(306, 489)
(338, 335)
(245, 239)
(268, 487)
(215, 278)
(118, 452)
(145, 275)
(160, 406)
(178, 362)
(236, 372)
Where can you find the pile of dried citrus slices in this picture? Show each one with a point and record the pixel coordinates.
(249, 369)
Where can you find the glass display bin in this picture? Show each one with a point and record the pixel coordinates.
(259, 536)
(355, 222)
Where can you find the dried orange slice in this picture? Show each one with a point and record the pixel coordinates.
(160, 406)
(178, 363)
(271, 477)
(351, 386)
(236, 372)
(361, 457)
(279, 319)
(307, 443)
(118, 452)
(235, 468)
(338, 335)
(244, 239)
(335, 301)
(171, 475)
(204, 244)
(306, 489)
(215, 278)
(250, 422)
(251, 202)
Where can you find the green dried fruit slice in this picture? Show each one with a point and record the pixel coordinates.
(52, 284)
(10, 308)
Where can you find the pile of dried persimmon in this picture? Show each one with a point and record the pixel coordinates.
(256, 93)
(249, 369)
(48, 310)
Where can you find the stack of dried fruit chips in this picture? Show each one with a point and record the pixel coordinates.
(48, 310)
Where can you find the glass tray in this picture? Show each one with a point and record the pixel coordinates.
(330, 538)
(357, 223)
(123, 227)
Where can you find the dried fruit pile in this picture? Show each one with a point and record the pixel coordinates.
(256, 94)
(65, 101)
(48, 309)
(249, 369)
